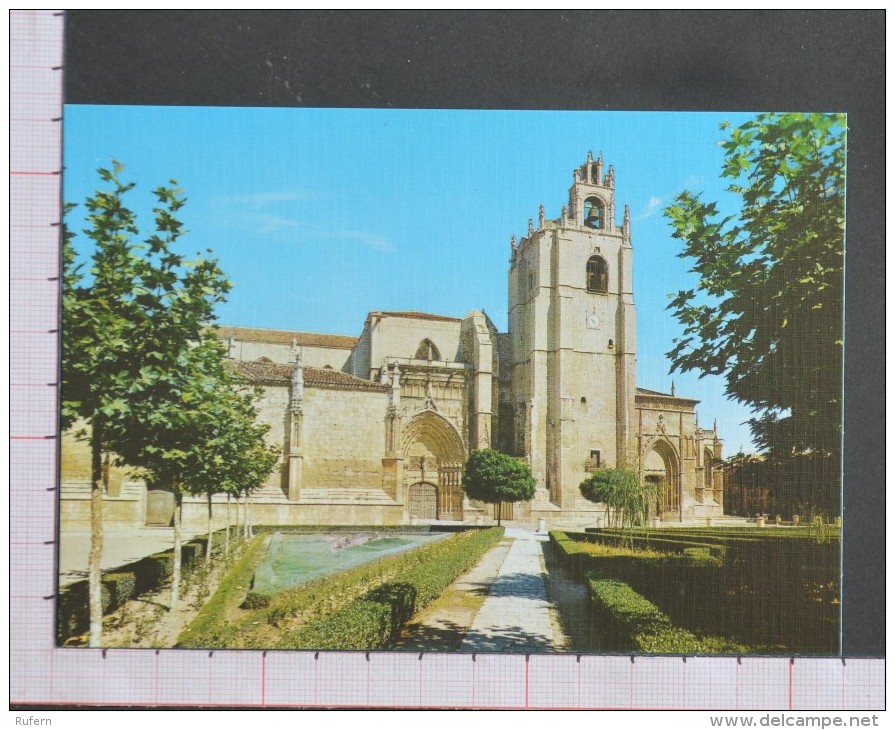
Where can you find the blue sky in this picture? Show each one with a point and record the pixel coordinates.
(321, 215)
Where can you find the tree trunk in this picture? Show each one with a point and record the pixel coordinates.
(245, 516)
(208, 544)
(249, 523)
(94, 563)
(227, 532)
(499, 512)
(175, 571)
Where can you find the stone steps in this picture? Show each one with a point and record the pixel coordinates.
(344, 495)
(80, 489)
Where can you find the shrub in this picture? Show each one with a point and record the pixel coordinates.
(779, 591)
(634, 623)
(254, 599)
(119, 585)
(375, 620)
(493, 477)
(122, 587)
(212, 619)
(626, 497)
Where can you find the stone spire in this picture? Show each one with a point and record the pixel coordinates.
(541, 216)
(298, 385)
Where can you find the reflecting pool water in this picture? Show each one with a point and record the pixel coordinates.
(292, 560)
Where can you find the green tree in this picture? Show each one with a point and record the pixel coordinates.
(626, 498)
(128, 330)
(495, 478)
(181, 427)
(767, 312)
(228, 454)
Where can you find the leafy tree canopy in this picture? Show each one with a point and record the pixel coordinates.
(627, 499)
(493, 477)
(767, 311)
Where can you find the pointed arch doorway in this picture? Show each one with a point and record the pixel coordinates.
(433, 467)
(660, 466)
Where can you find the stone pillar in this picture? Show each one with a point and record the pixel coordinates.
(296, 417)
(393, 462)
(295, 455)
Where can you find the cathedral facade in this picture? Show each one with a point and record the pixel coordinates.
(375, 429)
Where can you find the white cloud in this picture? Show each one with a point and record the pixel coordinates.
(261, 200)
(654, 206)
(370, 240)
(267, 224)
(271, 223)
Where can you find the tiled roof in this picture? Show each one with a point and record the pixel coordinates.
(418, 315)
(328, 378)
(305, 339)
(269, 372)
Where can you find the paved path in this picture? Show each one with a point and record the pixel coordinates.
(120, 547)
(442, 626)
(516, 616)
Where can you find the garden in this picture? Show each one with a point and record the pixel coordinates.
(710, 590)
(363, 607)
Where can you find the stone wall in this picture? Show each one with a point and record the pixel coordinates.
(343, 438)
(399, 336)
(315, 357)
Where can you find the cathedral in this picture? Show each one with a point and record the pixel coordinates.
(375, 429)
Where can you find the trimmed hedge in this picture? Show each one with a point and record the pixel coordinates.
(402, 529)
(581, 561)
(229, 593)
(119, 585)
(771, 591)
(360, 608)
(375, 620)
(635, 624)
(650, 541)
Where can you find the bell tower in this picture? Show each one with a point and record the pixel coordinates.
(572, 326)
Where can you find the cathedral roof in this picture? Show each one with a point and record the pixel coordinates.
(269, 372)
(329, 378)
(646, 393)
(287, 337)
(418, 315)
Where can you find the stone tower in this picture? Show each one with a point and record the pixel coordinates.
(572, 328)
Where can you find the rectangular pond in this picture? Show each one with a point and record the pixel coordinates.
(295, 559)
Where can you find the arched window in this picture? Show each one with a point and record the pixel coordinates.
(597, 274)
(427, 351)
(594, 213)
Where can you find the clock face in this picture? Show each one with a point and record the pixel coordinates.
(593, 321)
